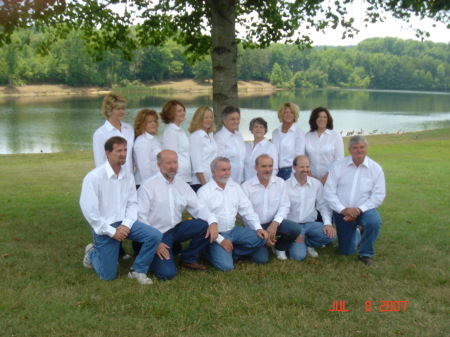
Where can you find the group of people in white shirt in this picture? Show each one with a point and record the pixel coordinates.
(282, 201)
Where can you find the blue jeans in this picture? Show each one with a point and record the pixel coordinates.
(313, 236)
(285, 172)
(245, 242)
(349, 237)
(194, 230)
(287, 231)
(106, 250)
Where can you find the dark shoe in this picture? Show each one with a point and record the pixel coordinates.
(368, 261)
(193, 266)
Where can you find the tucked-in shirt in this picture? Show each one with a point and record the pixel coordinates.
(232, 146)
(271, 203)
(175, 139)
(289, 146)
(161, 203)
(323, 151)
(203, 151)
(306, 200)
(226, 204)
(145, 149)
(348, 186)
(106, 131)
(107, 198)
(253, 152)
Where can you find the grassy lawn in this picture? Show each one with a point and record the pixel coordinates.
(46, 291)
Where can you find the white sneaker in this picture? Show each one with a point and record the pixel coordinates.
(312, 252)
(140, 277)
(86, 260)
(281, 254)
(126, 257)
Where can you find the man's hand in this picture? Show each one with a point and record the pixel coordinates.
(262, 234)
(299, 239)
(330, 231)
(227, 245)
(163, 251)
(272, 231)
(350, 214)
(212, 232)
(121, 233)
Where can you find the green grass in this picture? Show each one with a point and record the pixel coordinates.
(46, 291)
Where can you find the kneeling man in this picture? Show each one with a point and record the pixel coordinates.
(225, 199)
(109, 203)
(355, 188)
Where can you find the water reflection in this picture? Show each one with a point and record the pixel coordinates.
(55, 124)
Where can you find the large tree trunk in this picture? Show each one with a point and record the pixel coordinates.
(223, 54)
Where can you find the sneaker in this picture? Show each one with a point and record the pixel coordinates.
(367, 260)
(86, 260)
(126, 257)
(311, 252)
(142, 278)
(281, 254)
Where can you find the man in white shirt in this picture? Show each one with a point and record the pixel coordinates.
(162, 200)
(354, 189)
(109, 203)
(225, 199)
(269, 198)
(306, 197)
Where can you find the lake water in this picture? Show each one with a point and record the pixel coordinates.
(56, 124)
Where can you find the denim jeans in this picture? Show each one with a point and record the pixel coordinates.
(194, 230)
(313, 236)
(349, 237)
(287, 231)
(245, 242)
(285, 172)
(106, 250)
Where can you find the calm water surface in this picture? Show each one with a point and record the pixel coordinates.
(56, 124)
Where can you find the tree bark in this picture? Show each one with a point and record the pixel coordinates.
(223, 55)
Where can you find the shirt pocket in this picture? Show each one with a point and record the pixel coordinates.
(366, 185)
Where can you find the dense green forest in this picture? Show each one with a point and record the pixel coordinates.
(377, 63)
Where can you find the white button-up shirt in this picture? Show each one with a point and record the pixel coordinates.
(107, 198)
(226, 204)
(271, 203)
(362, 187)
(252, 152)
(306, 200)
(203, 151)
(232, 146)
(289, 144)
(175, 139)
(106, 131)
(161, 203)
(145, 149)
(323, 151)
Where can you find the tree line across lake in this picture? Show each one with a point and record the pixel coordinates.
(376, 63)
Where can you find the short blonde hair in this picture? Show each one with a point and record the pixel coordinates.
(112, 101)
(197, 120)
(169, 110)
(294, 108)
(141, 120)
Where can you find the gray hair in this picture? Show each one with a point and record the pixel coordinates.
(264, 155)
(216, 161)
(258, 120)
(356, 139)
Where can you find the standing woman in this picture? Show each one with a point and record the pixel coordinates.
(230, 143)
(288, 138)
(146, 146)
(113, 109)
(260, 145)
(323, 144)
(174, 138)
(203, 146)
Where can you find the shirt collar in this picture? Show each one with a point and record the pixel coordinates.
(110, 172)
(228, 132)
(350, 161)
(293, 128)
(295, 182)
(173, 126)
(255, 181)
(148, 136)
(164, 180)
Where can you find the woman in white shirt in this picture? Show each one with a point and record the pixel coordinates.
(323, 144)
(113, 109)
(203, 146)
(260, 145)
(146, 146)
(230, 143)
(288, 138)
(174, 138)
